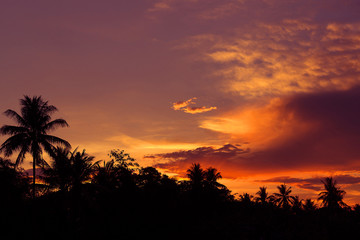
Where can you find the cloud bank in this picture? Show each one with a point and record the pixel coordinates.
(327, 138)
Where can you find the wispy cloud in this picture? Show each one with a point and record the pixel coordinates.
(162, 5)
(184, 106)
(194, 110)
(289, 57)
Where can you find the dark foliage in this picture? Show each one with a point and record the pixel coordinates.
(117, 201)
(79, 198)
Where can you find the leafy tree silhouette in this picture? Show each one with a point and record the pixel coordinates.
(149, 178)
(283, 199)
(31, 133)
(123, 160)
(118, 172)
(333, 196)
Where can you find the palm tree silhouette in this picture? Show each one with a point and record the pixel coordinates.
(31, 133)
(297, 204)
(283, 198)
(196, 175)
(69, 170)
(58, 174)
(246, 199)
(309, 205)
(333, 196)
(211, 177)
(82, 168)
(106, 175)
(263, 195)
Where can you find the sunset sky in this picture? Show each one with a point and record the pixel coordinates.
(266, 91)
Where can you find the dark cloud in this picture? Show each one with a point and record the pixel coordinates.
(221, 158)
(332, 141)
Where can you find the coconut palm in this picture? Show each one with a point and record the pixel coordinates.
(246, 199)
(262, 195)
(297, 204)
(309, 205)
(69, 170)
(82, 167)
(57, 174)
(211, 177)
(283, 199)
(333, 196)
(196, 175)
(30, 135)
(106, 175)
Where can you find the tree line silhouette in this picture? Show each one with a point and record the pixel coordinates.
(75, 196)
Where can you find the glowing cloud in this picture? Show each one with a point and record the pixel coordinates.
(301, 56)
(184, 106)
(304, 132)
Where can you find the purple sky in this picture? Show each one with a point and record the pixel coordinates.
(260, 89)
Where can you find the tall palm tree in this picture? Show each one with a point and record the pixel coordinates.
(283, 199)
(30, 135)
(333, 196)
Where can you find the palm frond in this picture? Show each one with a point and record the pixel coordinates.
(21, 156)
(55, 124)
(13, 143)
(12, 130)
(55, 140)
(14, 115)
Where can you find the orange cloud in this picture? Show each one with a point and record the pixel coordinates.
(184, 106)
(277, 59)
(259, 125)
(194, 110)
(302, 133)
